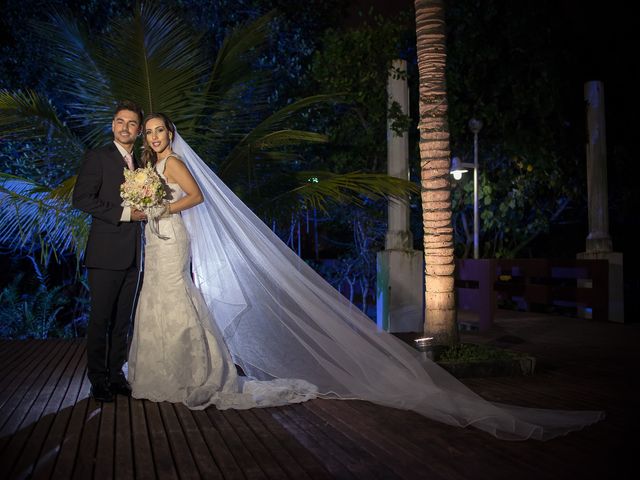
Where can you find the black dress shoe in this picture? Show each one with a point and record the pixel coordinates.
(121, 387)
(101, 392)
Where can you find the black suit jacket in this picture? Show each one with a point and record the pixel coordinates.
(112, 244)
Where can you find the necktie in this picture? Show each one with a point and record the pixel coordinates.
(129, 160)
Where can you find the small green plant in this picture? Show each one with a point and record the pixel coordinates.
(31, 308)
(470, 352)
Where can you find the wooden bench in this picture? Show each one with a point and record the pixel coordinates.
(582, 285)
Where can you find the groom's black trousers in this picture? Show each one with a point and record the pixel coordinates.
(113, 294)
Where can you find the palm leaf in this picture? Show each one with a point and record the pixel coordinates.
(164, 65)
(26, 115)
(317, 189)
(83, 83)
(236, 92)
(251, 143)
(233, 62)
(34, 217)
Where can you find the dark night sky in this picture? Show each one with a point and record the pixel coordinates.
(600, 39)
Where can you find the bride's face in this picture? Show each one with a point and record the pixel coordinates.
(157, 135)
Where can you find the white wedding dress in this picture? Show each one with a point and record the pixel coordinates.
(278, 320)
(177, 353)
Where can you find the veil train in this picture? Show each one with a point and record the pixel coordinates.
(280, 319)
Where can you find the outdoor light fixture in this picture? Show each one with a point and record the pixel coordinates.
(458, 168)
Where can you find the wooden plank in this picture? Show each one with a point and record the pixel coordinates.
(57, 434)
(162, 456)
(217, 447)
(65, 463)
(366, 432)
(306, 460)
(184, 462)
(18, 370)
(15, 353)
(105, 450)
(372, 461)
(579, 367)
(243, 457)
(28, 411)
(14, 386)
(33, 447)
(452, 452)
(144, 464)
(202, 456)
(85, 456)
(124, 467)
(277, 449)
(268, 463)
(9, 348)
(336, 461)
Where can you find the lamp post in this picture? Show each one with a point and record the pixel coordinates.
(458, 168)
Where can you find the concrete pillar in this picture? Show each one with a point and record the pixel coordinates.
(400, 271)
(598, 244)
(598, 239)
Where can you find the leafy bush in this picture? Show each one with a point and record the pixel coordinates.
(470, 352)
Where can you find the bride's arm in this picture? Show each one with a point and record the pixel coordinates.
(177, 172)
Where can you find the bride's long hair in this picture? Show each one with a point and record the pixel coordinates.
(148, 154)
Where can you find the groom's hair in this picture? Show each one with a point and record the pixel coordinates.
(129, 105)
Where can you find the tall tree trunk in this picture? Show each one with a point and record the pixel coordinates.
(435, 162)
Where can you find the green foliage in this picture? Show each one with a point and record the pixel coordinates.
(512, 79)
(471, 352)
(357, 62)
(219, 105)
(29, 310)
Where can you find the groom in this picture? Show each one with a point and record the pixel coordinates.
(113, 253)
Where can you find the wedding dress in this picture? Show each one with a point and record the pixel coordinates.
(280, 320)
(177, 352)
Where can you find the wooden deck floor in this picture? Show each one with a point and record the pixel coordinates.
(50, 428)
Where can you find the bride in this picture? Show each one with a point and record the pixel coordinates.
(257, 305)
(177, 352)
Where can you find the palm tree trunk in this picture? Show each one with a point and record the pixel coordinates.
(440, 308)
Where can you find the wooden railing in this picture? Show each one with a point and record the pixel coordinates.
(579, 284)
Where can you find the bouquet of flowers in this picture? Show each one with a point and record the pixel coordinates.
(142, 188)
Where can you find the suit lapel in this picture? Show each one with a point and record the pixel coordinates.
(116, 153)
(118, 159)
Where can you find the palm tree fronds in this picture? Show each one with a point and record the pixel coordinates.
(163, 66)
(252, 141)
(287, 112)
(27, 115)
(34, 217)
(318, 188)
(233, 61)
(283, 138)
(78, 63)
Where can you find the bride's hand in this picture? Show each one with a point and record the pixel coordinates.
(166, 212)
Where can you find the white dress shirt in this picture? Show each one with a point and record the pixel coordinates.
(126, 211)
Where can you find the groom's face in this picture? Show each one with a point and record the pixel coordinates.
(126, 127)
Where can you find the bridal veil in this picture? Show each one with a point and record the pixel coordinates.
(280, 319)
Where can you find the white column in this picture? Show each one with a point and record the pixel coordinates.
(598, 239)
(400, 284)
(598, 244)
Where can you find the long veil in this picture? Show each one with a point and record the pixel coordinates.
(280, 319)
